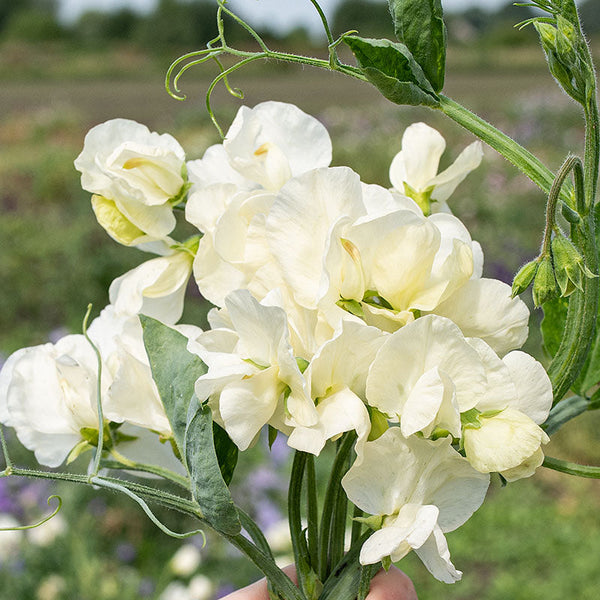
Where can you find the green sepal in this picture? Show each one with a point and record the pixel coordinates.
(374, 522)
(352, 306)
(470, 419)
(386, 563)
(81, 447)
(175, 371)
(419, 25)
(391, 68)
(180, 196)
(208, 486)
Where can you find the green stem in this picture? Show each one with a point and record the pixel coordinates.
(180, 480)
(312, 513)
(521, 158)
(167, 499)
(334, 488)
(564, 411)
(571, 468)
(7, 459)
(367, 573)
(278, 579)
(301, 553)
(254, 532)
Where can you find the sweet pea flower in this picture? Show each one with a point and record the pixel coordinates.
(502, 433)
(425, 375)
(253, 377)
(420, 490)
(48, 395)
(136, 177)
(264, 147)
(414, 170)
(155, 288)
(337, 374)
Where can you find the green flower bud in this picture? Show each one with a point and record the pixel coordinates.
(569, 267)
(544, 284)
(524, 277)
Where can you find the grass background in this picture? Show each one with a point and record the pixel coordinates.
(534, 539)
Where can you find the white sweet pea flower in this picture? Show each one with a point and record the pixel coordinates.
(425, 375)
(132, 395)
(502, 432)
(414, 170)
(337, 375)
(421, 490)
(265, 146)
(48, 395)
(155, 288)
(410, 263)
(136, 177)
(258, 381)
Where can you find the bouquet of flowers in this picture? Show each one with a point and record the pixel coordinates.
(344, 315)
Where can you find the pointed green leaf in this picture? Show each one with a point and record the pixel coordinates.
(419, 25)
(391, 68)
(174, 370)
(209, 489)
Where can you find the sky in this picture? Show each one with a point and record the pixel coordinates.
(281, 15)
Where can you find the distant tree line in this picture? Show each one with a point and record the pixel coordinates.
(191, 23)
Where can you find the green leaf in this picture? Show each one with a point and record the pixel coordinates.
(419, 25)
(391, 68)
(209, 489)
(553, 324)
(174, 370)
(227, 453)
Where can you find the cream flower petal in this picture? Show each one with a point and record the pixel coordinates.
(247, 405)
(484, 308)
(534, 388)
(446, 182)
(417, 163)
(300, 223)
(435, 556)
(155, 288)
(340, 412)
(275, 141)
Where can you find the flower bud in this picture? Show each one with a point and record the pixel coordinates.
(544, 284)
(524, 277)
(568, 265)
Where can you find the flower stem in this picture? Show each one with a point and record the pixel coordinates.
(329, 529)
(312, 513)
(571, 468)
(520, 157)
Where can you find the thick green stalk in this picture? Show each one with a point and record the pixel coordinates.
(301, 554)
(334, 489)
(312, 512)
(281, 583)
(571, 468)
(521, 158)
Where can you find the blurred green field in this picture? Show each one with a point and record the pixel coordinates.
(535, 539)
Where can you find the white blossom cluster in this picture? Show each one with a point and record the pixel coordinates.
(339, 306)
